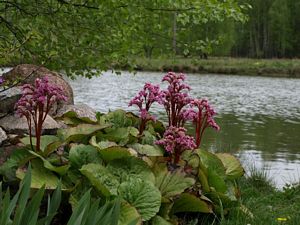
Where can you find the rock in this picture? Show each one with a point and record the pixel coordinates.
(82, 111)
(3, 136)
(8, 100)
(16, 125)
(27, 73)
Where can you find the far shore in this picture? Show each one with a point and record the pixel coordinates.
(288, 68)
(214, 65)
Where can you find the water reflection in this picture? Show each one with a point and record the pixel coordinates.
(259, 116)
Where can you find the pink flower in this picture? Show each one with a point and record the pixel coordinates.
(1, 80)
(202, 117)
(144, 99)
(175, 97)
(36, 102)
(175, 140)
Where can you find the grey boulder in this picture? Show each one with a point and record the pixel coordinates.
(3, 136)
(82, 111)
(13, 124)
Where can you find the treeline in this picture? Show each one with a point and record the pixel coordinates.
(272, 30)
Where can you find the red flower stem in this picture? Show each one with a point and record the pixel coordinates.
(39, 128)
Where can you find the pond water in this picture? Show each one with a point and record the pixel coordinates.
(259, 116)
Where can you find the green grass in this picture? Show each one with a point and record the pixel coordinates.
(239, 66)
(262, 204)
(267, 205)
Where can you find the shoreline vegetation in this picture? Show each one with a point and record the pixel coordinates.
(266, 204)
(289, 68)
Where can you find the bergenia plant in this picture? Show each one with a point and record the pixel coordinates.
(176, 141)
(175, 97)
(143, 100)
(35, 104)
(180, 107)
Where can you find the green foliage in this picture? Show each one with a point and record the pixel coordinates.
(24, 209)
(111, 161)
(98, 34)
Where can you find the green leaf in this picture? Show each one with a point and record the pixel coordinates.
(119, 118)
(101, 178)
(143, 195)
(216, 181)
(148, 138)
(80, 132)
(190, 203)
(203, 180)
(19, 157)
(73, 116)
(40, 176)
(232, 165)
(115, 152)
(211, 162)
(129, 215)
(129, 167)
(172, 183)
(61, 170)
(120, 135)
(83, 154)
(157, 220)
(148, 150)
(45, 141)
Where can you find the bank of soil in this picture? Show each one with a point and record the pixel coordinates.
(233, 66)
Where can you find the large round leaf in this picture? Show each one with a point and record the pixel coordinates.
(143, 195)
(232, 165)
(110, 150)
(114, 152)
(80, 132)
(40, 176)
(190, 203)
(101, 178)
(211, 162)
(148, 150)
(121, 135)
(119, 118)
(45, 141)
(83, 154)
(172, 183)
(216, 181)
(129, 167)
(61, 170)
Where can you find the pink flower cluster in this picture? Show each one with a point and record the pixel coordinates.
(39, 97)
(35, 104)
(144, 99)
(175, 97)
(175, 139)
(202, 117)
(180, 107)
